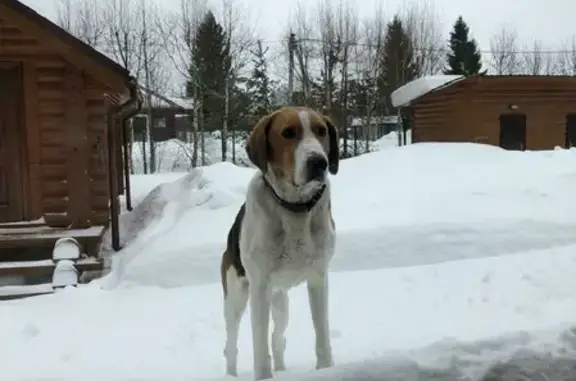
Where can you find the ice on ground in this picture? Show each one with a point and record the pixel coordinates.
(413, 90)
(449, 257)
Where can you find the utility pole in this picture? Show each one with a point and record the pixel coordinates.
(291, 49)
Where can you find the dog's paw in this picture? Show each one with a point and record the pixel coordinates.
(231, 371)
(279, 366)
(264, 373)
(325, 362)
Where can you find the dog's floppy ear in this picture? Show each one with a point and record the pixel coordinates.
(257, 143)
(334, 151)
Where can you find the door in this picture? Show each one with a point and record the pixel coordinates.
(571, 130)
(513, 131)
(11, 105)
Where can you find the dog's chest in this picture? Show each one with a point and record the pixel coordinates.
(299, 252)
(294, 250)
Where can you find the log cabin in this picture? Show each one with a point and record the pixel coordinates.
(64, 108)
(513, 112)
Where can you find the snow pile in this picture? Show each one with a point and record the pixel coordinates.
(176, 156)
(407, 93)
(178, 211)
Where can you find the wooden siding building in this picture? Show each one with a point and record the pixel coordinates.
(513, 112)
(171, 116)
(63, 112)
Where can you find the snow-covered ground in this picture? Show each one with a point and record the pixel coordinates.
(449, 257)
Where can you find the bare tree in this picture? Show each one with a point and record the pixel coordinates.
(504, 51)
(305, 50)
(330, 48)
(368, 67)
(179, 32)
(566, 60)
(240, 38)
(533, 59)
(121, 21)
(150, 53)
(349, 35)
(420, 19)
(83, 19)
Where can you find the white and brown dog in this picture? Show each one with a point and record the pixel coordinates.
(283, 235)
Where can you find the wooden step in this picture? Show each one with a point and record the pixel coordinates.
(14, 236)
(46, 267)
(19, 292)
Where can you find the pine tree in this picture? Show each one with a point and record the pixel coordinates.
(398, 63)
(258, 85)
(464, 58)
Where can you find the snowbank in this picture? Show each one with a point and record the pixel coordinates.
(456, 198)
(407, 93)
(176, 156)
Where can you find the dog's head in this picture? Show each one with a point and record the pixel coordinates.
(298, 144)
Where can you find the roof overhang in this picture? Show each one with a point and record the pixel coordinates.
(69, 47)
(412, 91)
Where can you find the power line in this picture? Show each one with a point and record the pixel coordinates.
(571, 50)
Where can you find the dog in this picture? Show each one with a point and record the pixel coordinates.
(282, 236)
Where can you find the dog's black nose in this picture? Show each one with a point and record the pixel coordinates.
(316, 167)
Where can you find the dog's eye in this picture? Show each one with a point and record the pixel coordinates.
(321, 131)
(289, 133)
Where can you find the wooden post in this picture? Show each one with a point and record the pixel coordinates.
(79, 204)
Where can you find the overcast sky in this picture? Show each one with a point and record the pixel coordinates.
(550, 21)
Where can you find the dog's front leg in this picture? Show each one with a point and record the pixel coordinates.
(318, 297)
(260, 299)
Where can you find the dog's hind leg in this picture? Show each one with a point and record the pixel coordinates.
(235, 303)
(280, 315)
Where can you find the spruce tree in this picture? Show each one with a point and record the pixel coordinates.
(398, 62)
(258, 85)
(464, 58)
(211, 62)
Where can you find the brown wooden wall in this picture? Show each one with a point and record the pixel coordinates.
(469, 111)
(65, 119)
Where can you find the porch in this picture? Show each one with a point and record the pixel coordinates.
(28, 259)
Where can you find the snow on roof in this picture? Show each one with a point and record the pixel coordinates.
(404, 95)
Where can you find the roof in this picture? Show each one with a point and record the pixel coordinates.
(408, 93)
(411, 92)
(164, 101)
(64, 36)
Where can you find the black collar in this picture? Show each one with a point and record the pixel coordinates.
(297, 207)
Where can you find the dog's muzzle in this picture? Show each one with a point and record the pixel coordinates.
(316, 166)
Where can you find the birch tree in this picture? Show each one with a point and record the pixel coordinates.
(240, 39)
(150, 55)
(421, 21)
(179, 31)
(305, 50)
(566, 59)
(347, 24)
